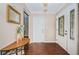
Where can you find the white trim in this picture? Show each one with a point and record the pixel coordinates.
(44, 42)
(7, 44)
(63, 8)
(63, 47)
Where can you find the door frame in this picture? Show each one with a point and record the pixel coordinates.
(24, 12)
(36, 19)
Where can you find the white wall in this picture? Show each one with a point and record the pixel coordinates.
(65, 42)
(8, 30)
(49, 27)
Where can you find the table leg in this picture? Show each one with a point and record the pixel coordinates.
(1, 53)
(21, 50)
(26, 47)
(16, 52)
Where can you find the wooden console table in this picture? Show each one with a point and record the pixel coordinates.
(22, 45)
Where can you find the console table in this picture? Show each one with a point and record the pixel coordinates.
(14, 48)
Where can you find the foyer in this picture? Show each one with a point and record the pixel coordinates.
(52, 28)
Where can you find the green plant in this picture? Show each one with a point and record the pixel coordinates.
(19, 29)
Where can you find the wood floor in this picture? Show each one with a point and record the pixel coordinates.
(45, 49)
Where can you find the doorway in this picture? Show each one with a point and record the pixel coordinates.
(26, 25)
(38, 28)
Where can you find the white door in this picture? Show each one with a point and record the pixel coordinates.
(38, 28)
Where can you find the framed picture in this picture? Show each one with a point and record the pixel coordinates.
(72, 17)
(13, 15)
(61, 26)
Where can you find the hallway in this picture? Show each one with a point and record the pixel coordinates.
(50, 23)
(45, 49)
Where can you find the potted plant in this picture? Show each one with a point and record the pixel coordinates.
(19, 32)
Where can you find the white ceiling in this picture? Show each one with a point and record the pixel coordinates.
(39, 8)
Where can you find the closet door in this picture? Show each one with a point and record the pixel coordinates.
(38, 28)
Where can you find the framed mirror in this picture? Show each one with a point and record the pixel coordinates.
(13, 15)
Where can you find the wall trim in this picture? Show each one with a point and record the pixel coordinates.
(44, 42)
(63, 48)
(63, 8)
(7, 44)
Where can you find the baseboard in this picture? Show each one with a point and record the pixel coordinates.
(63, 48)
(44, 42)
(7, 44)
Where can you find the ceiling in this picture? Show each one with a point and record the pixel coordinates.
(39, 7)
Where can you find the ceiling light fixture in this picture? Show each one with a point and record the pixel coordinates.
(45, 7)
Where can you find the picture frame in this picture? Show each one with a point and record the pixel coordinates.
(13, 16)
(61, 26)
(72, 17)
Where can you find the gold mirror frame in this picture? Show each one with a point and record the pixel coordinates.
(13, 16)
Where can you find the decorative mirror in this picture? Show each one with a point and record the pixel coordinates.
(13, 15)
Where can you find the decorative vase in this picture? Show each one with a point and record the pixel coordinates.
(19, 37)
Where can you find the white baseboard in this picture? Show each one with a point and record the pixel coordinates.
(62, 47)
(7, 44)
(44, 42)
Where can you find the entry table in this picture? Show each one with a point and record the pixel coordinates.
(15, 48)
